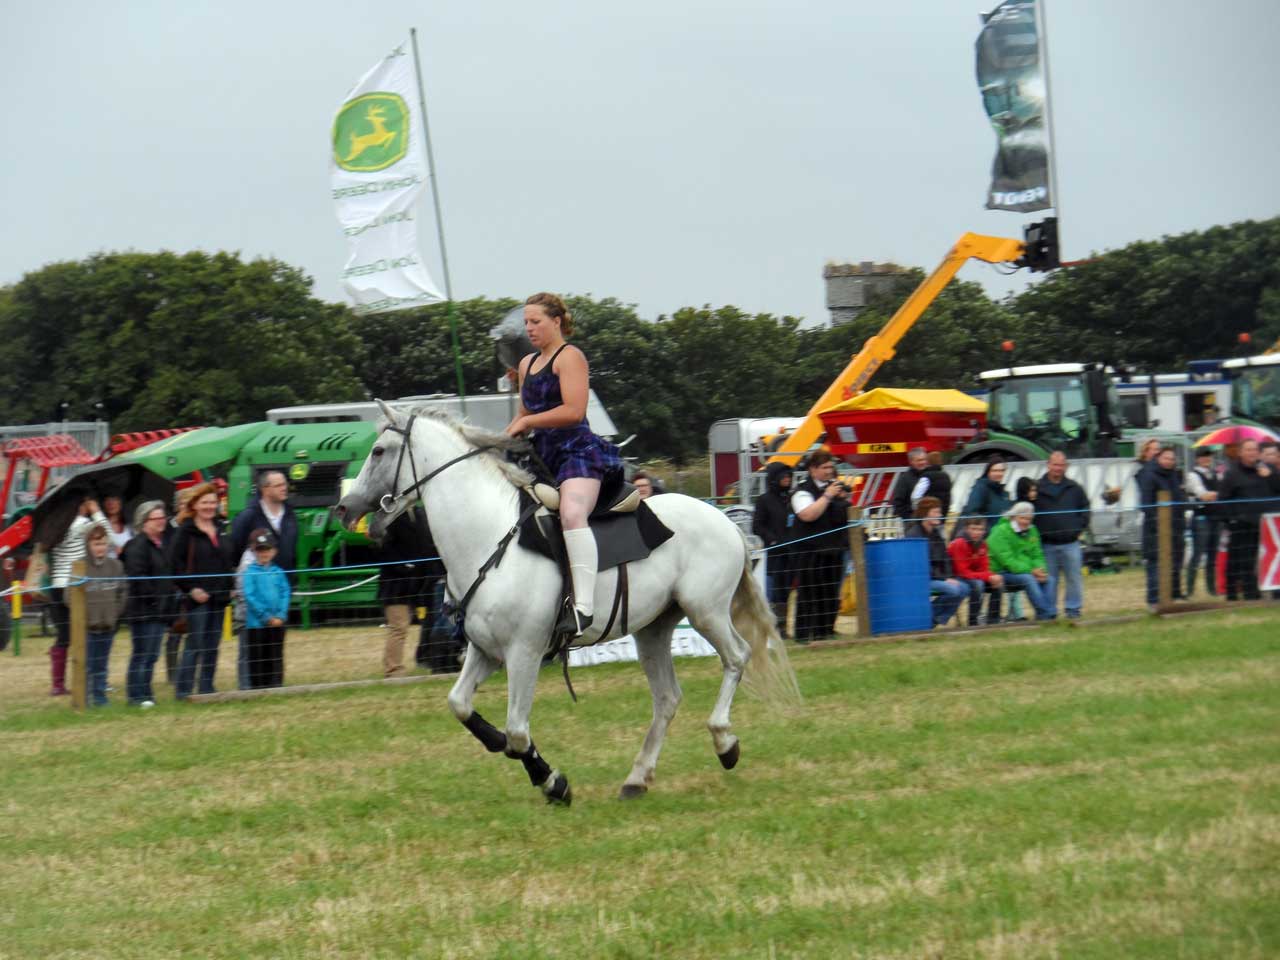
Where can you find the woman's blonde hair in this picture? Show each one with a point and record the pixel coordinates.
(188, 508)
(555, 308)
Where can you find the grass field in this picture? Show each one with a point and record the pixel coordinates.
(1105, 791)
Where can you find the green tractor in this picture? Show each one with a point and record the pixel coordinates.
(1034, 410)
(317, 458)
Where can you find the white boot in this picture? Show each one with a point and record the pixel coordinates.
(580, 544)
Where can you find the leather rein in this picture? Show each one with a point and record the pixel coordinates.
(387, 503)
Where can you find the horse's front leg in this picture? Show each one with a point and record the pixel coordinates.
(476, 668)
(523, 663)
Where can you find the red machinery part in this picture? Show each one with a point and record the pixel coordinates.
(881, 438)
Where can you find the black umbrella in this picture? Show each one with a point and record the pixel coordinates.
(131, 482)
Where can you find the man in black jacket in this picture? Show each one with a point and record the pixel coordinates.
(821, 506)
(410, 568)
(1242, 500)
(771, 522)
(271, 511)
(1062, 517)
(923, 477)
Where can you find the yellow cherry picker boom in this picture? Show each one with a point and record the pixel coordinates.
(1038, 251)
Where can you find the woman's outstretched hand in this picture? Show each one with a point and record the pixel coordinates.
(517, 427)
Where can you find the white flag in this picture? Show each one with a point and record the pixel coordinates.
(378, 171)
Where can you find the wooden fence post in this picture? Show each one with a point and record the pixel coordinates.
(1164, 546)
(79, 637)
(858, 554)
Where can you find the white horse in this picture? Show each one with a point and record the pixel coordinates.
(472, 498)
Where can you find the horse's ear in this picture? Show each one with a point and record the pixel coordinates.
(387, 412)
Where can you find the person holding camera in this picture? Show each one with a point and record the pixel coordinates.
(821, 506)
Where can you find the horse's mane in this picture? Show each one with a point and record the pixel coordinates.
(496, 444)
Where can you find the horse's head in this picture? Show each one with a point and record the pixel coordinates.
(380, 479)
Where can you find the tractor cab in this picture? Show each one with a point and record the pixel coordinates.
(1067, 406)
(1255, 389)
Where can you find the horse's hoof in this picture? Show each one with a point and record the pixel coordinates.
(630, 791)
(729, 759)
(557, 790)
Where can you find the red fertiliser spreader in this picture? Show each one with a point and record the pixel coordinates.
(877, 428)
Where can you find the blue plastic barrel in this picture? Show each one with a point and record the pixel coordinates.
(898, 585)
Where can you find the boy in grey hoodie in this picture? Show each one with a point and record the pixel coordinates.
(105, 592)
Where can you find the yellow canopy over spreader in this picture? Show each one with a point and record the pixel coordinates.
(891, 398)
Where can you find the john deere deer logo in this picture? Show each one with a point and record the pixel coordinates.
(371, 132)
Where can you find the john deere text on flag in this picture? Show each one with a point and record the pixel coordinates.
(378, 172)
(1012, 82)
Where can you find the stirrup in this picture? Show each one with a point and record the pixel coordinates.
(572, 622)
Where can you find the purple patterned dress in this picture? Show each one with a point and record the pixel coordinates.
(572, 451)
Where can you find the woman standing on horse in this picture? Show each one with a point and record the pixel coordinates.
(553, 405)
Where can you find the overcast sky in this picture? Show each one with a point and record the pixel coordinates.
(671, 153)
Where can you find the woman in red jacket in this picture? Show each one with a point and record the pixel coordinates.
(969, 558)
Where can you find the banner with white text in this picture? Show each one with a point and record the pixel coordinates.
(378, 171)
(1012, 82)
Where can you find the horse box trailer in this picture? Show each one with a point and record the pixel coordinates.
(738, 449)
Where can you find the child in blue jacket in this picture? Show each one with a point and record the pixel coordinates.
(266, 601)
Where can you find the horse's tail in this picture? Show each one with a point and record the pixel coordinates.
(769, 671)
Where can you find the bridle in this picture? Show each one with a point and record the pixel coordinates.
(388, 502)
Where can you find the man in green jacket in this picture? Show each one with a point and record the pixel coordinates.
(1016, 554)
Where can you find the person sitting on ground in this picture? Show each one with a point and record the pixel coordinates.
(1027, 491)
(947, 591)
(105, 593)
(971, 564)
(1016, 554)
(266, 603)
(553, 405)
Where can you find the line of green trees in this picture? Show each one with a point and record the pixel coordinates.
(155, 339)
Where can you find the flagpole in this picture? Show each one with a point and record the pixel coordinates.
(444, 253)
(1054, 183)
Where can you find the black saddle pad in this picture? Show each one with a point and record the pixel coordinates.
(620, 537)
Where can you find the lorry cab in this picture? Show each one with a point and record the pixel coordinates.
(1177, 402)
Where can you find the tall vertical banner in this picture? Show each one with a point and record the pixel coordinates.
(378, 172)
(1012, 82)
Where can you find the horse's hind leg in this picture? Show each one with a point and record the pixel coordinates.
(476, 667)
(734, 652)
(653, 644)
(523, 663)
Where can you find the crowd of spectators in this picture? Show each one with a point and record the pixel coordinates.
(172, 581)
(1031, 545)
